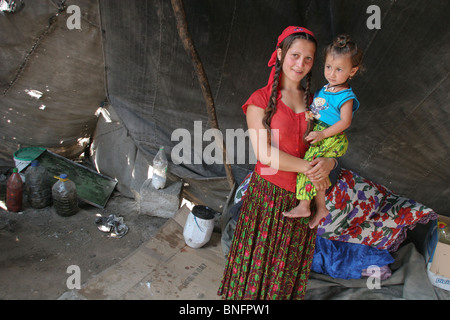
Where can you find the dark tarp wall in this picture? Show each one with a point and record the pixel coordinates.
(51, 78)
(399, 137)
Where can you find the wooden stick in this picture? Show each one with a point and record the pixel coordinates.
(188, 44)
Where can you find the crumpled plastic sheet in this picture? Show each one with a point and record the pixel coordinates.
(113, 225)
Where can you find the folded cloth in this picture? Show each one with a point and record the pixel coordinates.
(347, 260)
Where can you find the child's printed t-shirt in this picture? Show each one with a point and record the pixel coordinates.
(326, 105)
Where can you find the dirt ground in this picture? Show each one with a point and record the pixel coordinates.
(38, 246)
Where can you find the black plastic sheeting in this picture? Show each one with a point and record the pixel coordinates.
(51, 77)
(399, 137)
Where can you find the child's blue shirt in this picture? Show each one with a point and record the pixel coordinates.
(326, 105)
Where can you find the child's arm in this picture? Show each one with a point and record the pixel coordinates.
(340, 126)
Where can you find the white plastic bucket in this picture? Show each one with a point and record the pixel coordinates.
(199, 226)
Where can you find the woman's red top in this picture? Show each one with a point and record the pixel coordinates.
(288, 128)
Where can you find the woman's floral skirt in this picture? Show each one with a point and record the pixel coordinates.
(271, 255)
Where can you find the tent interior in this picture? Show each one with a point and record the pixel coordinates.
(112, 81)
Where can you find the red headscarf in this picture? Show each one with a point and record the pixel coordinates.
(286, 33)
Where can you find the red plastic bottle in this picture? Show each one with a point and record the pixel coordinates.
(14, 192)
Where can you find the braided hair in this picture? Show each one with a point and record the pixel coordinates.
(271, 107)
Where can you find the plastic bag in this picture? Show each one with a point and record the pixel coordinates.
(159, 169)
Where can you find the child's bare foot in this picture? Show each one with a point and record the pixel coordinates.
(300, 211)
(320, 214)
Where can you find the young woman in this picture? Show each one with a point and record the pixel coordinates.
(271, 255)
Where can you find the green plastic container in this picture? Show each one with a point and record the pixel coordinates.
(24, 156)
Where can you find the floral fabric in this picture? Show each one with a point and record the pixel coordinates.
(240, 191)
(271, 255)
(362, 211)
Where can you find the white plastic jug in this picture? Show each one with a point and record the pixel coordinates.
(199, 226)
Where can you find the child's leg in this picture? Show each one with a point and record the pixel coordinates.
(301, 210)
(305, 192)
(322, 210)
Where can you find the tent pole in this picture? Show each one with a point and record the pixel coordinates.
(188, 44)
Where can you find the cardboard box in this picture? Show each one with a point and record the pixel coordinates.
(437, 256)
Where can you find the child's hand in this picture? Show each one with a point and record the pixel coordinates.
(315, 136)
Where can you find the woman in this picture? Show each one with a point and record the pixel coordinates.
(271, 254)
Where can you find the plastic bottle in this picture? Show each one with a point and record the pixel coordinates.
(65, 197)
(14, 192)
(159, 169)
(38, 186)
(443, 233)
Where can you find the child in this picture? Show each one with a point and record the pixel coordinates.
(334, 105)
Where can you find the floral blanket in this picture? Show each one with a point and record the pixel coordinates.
(364, 212)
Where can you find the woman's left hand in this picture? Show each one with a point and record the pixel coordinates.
(321, 168)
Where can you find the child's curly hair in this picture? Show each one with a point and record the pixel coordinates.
(344, 44)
